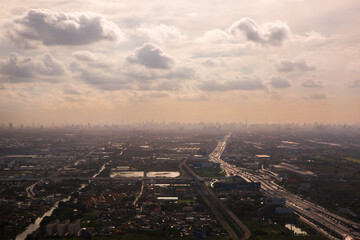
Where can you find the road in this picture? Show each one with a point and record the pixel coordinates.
(330, 224)
(234, 226)
(30, 190)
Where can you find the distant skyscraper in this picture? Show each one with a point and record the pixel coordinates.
(11, 126)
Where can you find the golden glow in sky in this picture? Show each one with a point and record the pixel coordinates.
(275, 61)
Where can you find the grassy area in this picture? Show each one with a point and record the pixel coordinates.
(353, 160)
(7, 173)
(263, 231)
(209, 172)
(187, 201)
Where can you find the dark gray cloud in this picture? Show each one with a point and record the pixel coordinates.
(27, 69)
(311, 84)
(239, 84)
(58, 28)
(354, 84)
(151, 56)
(271, 33)
(291, 66)
(279, 82)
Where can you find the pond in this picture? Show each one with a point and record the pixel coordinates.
(129, 174)
(296, 230)
(169, 174)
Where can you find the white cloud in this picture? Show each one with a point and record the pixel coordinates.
(59, 28)
(27, 69)
(159, 34)
(311, 36)
(181, 73)
(85, 56)
(216, 36)
(238, 84)
(246, 29)
(151, 56)
(270, 33)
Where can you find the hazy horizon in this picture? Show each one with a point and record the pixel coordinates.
(276, 61)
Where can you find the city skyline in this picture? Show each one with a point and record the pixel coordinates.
(276, 61)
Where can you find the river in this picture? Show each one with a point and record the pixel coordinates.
(34, 226)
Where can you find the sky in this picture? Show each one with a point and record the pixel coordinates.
(105, 61)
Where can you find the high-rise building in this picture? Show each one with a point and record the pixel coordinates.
(74, 227)
(11, 125)
(63, 227)
(51, 228)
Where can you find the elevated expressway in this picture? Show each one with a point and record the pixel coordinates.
(330, 224)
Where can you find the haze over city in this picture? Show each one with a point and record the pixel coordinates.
(277, 61)
(178, 119)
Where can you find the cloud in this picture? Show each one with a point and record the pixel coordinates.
(85, 56)
(239, 84)
(217, 36)
(312, 36)
(270, 33)
(102, 80)
(193, 98)
(70, 91)
(151, 56)
(158, 34)
(157, 95)
(354, 84)
(181, 73)
(168, 86)
(291, 66)
(58, 28)
(25, 69)
(279, 82)
(353, 66)
(318, 96)
(141, 73)
(311, 84)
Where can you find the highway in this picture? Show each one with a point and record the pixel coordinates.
(330, 224)
(234, 226)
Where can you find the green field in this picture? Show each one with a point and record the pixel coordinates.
(353, 160)
(209, 172)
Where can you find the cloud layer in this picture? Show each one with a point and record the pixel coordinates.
(58, 28)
